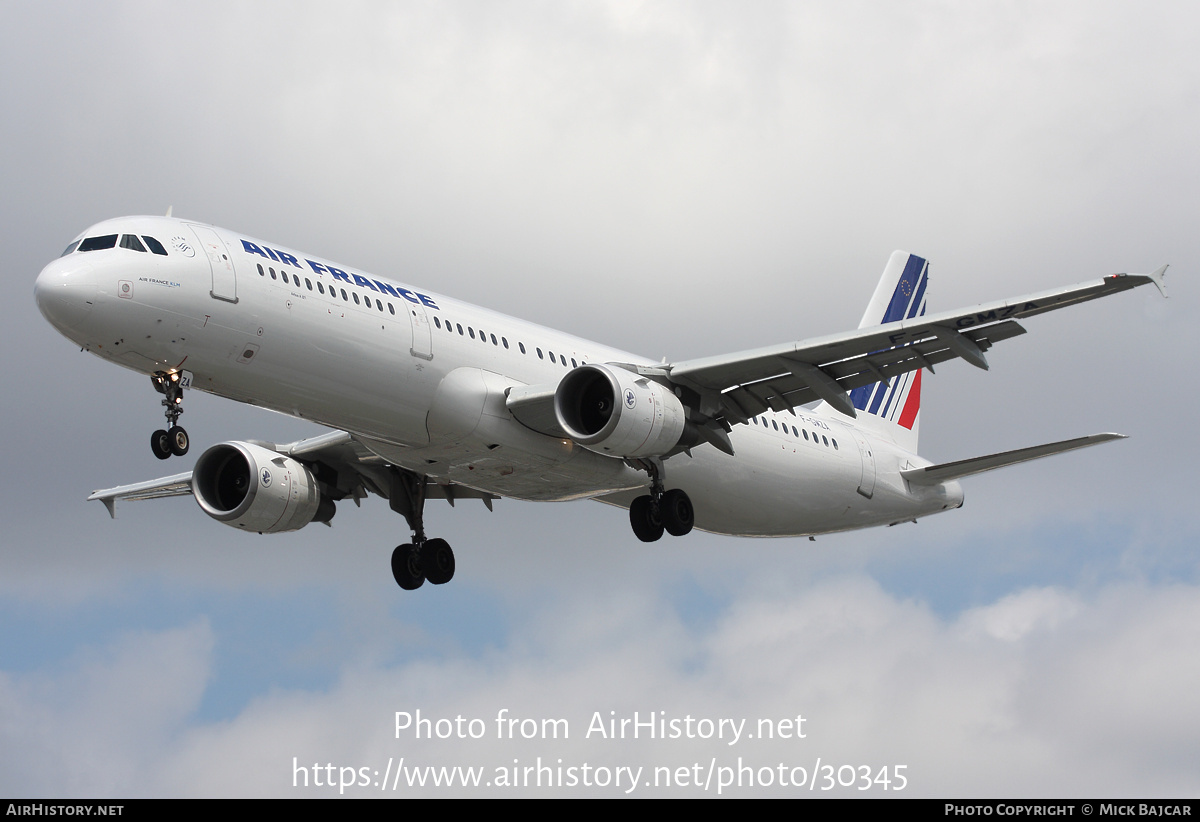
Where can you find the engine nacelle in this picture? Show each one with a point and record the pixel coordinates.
(250, 487)
(612, 411)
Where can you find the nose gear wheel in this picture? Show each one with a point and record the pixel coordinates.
(174, 439)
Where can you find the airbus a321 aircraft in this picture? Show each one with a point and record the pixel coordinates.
(433, 398)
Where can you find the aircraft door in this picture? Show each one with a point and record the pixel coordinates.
(224, 280)
(866, 484)
(422, 335)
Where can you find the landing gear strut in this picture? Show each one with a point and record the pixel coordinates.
(173, 440)
(660, 510)
(422, 559)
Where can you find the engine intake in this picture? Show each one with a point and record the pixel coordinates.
(256, 489)
(612, 411)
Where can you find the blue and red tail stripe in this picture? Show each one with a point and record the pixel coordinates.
(899, 399)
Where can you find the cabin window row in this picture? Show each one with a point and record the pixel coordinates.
(482, 336)
(332, 291)
(797, 432)
(468, 331)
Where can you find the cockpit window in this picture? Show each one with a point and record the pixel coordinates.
(155, 246)
(70, 248)
(97, 243)
(131, 241)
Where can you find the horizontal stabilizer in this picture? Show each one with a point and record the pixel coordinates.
(934, 474)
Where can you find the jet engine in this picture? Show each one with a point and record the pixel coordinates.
(612, 411)
(256, 489)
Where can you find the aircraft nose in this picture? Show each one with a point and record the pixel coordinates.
(66, 292)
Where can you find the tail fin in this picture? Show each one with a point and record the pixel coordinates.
(893, 407)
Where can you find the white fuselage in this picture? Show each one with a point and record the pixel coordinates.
(420, 379)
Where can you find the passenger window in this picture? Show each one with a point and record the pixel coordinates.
(436, 322)
(494, 340)
(320, 287)
(471, 331)
(308, 283)
(540, 357)
(155, 246)
(131, 241)
(273, 277)
(345, 296)
(261, 273)
(356, 302)
(505, 341)
(460, 331)
(99, 243)
(391, 309)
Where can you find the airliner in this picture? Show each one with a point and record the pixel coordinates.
(431, 398)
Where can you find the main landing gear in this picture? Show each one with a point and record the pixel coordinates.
(661, 510)
(173, 440)
(422, 559)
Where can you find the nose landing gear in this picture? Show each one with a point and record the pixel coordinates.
(173, 440)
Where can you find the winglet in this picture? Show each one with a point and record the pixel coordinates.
(1157, 278)
(111, 505)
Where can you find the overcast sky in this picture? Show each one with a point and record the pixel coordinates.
(676, 179)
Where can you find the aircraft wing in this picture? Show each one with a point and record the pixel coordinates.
(345, 466)
(736, 387)
(179, 485)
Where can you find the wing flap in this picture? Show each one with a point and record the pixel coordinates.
(935, 474)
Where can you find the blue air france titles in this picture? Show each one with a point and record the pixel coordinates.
(378, 286)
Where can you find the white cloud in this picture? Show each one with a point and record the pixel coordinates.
(95, 727)
(1044, 692)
